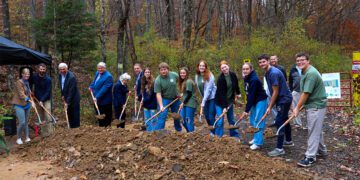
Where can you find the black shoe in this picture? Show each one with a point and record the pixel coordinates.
(306, 162)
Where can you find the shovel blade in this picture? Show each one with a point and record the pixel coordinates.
(100, 117)
(175, 115)
(232, 127)
(252, 130)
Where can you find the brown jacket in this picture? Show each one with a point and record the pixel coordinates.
(19, 94)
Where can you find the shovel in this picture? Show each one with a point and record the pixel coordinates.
(123, 109)
(135, 105)
(52, 117)
(140, 106)
(98, 116)
(235, 126)
(221, 115)
(286, 122)
(167, 106)
(66, 115)
(36, 111)
(256, 128)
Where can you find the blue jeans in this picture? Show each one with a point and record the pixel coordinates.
(256, 113)
(282, 116)
(160, 124)
(219, 126)
(210, 113)
(23, 116)
(150, 125)
(187, 114)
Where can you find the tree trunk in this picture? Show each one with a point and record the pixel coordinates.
(148, 15)
(170, 10)
(91, 6)
(123, 15)
(102, 31)
(33, 18)
(6, 18)
(130, 40)
(249, 18)
(210, 11)
(44, 47)
(221, 24)
(187, 23)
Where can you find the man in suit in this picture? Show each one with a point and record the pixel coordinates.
(70, 94)
(102, 89)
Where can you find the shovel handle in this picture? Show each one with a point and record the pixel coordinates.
(286, 122)
(96, 105)
(221, 115)
(140, 106)
(54, 119)
(123, 109)
(172, 102)
(261, 120)
(66, 115)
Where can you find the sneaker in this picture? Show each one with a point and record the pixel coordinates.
(306, 162)
(254, 147)
(321, 153)
(27, 139)
(251, 142)
(19, 141)
(288, 144)
(276, 152)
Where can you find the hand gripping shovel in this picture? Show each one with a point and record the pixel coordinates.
(98, 116)
(36, 111)
(66, 115)
(286, 122)
(52, 117)
(167, 106)
(123, 109)
(217, 119)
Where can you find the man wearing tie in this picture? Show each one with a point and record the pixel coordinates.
(102, 89)
(70, 95)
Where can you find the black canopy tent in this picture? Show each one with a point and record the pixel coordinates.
(12, 53)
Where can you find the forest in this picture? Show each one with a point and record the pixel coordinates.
(123, 33)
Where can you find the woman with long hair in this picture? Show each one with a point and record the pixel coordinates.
(256, 104)
(22, 104)
(188, 105)
(205, 83)
(227, 91)
(148, 98)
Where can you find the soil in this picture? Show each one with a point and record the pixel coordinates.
(98, 153)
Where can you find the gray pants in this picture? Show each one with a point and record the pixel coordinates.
(315, 118)
(23, 116)
(295, 101)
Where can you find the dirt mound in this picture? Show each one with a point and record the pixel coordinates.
(98, 153)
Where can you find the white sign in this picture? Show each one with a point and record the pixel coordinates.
(332, 85)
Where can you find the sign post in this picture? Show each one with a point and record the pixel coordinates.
(356, 78)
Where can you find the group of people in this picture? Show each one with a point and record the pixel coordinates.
(178, 92)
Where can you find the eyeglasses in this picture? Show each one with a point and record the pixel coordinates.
(301, 60)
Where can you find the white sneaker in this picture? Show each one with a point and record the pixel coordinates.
(28, 139)
(251, 142)
(19, 141)
(254, 147)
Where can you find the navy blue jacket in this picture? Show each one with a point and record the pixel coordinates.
(138, 85)
(42, 87)
(120, 93)
(70, 91)
(102, 89)
(149, 101)
(254, 90)
(221, 91)
(294, 79)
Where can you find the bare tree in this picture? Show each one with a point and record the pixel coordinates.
(221, 24)
(102, 31)
(170, 24)
(210, 12)
(198, 17)
(6, 18)
(91, 6)
(123, 7)
(148, 15)
(187, 23)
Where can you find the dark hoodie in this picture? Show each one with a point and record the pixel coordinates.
(254, 90)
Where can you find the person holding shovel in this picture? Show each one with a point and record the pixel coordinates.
(149, 99)
(281, 98)
(256, 104)
(120, 94)
(42, 92)
(70, 95)
(22, 105)
(313, 98)
(167, 94)
(102, 90)
(188, 105)
(205, 82)
(227, 93)
(139, 73)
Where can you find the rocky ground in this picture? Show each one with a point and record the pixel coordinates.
(97, 153)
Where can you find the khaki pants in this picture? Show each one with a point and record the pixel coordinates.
(315, 119)
(48, 127)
